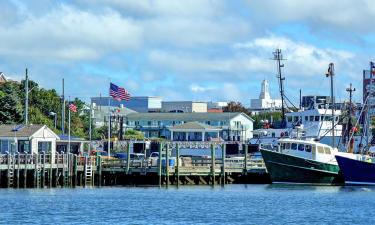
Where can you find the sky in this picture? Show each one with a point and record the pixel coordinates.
(201, 50)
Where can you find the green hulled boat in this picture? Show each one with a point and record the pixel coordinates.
(303, 162)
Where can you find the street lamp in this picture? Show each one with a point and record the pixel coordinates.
(55, 117)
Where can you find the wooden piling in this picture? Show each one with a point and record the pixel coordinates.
(177, 171)
(18, 170)
(167, 164)
(43, 178)
(246, 156)
(213, 164)
(223, 151)
(159, 163)
(128, 158)
(25, 171)
(51, 163)
(99, 168)
(75, 170)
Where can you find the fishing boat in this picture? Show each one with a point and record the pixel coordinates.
(357, 171)
(303, 162)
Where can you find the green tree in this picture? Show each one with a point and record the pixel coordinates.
(11, 108)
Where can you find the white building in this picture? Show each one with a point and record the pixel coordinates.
(184, 106)
(265, 102)
(136, 103)
(231, 126)
(27, 139)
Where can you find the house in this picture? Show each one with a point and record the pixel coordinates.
(230, 126)
(27, 139)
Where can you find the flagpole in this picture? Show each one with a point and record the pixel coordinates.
(69, 130)
(109, 122)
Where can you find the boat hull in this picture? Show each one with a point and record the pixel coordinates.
(284, 168)
(356, 172)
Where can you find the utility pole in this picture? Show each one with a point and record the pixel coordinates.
(279, 57)
(63, 109)
(331, 73)
(27, 99)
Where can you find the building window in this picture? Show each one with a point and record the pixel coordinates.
(24, 146)
(44, 146)
(4, 146)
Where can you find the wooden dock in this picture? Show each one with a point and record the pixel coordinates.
(68, 170)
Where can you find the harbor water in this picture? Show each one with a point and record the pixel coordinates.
(232, 204)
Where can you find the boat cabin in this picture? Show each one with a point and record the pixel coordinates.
(308, 149)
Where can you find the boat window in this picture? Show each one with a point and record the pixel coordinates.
(289, 119)
(313, 149)
(306, 118)
(327, 150)
(296, 119)
(317, 118)
(282, 146)
(311, 118)
(308, 148)
(336, 119)
(320, 149)
(287, 145)
(294, 146)
(322, 118)
(301, 147)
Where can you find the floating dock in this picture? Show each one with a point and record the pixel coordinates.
(68, 170)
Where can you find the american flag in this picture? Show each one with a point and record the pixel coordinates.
(72, 107)
(118, 93)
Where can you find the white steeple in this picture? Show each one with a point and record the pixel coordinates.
(264, 94)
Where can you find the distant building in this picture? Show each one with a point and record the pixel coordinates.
(315, 102)
(216, 106)
(100, 113)
(3, 79)
(230, 126)
(184, 106)
(265, 102)
(136, 103)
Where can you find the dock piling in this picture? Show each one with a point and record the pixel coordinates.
(213, 164)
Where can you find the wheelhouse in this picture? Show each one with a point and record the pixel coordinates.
(307, 149)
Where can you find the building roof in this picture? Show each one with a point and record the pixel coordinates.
(3, 79)
(188, 117)
(193, 126)
(11, 130)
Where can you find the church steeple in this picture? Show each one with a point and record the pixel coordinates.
(264, 94)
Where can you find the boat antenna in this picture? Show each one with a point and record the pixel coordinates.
(279, 57)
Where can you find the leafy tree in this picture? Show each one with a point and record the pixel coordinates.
(134, 134)
(235, 107)
(270, 116)
(11, 107)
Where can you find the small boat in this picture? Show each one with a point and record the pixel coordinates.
(303, 162)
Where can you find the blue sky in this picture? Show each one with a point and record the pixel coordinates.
(187, 50)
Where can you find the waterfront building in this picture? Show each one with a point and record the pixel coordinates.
(265, 102)
(231, 126)
(27, 139)
(184, 106)
(195, 131)
(142, 104)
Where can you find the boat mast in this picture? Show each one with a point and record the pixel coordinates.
(350, 89)
(331, 73)
(369, 104)
(278, 57)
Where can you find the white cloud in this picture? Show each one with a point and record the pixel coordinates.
(345, 15)
(66, 33)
